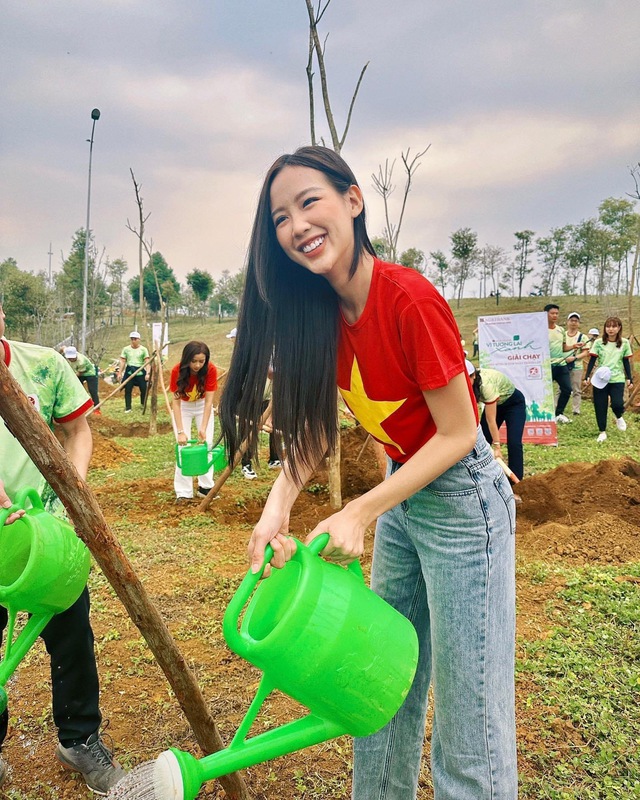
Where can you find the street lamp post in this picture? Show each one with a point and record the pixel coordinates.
(95, 116)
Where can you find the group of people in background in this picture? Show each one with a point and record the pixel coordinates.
(608, 367)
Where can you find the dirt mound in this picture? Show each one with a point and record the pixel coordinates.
(108, 454)
(582, 512)
(111, 427)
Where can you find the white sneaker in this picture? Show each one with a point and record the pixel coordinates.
(602, 438)
(248, 472)
(561, 418)
(621, 425)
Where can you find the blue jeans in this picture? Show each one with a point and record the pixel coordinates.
(445, 558)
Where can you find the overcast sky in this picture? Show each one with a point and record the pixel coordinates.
(531, 109)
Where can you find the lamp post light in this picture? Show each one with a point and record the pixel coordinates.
(95, 116)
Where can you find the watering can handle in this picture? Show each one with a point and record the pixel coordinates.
(250, 581)
(321, 541)
(19, 503)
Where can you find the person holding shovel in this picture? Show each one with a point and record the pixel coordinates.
(52, 387)
(132, 358)
(318, 299)
(193, 382)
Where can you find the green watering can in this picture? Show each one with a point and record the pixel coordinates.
(43, 569)
(319, 635)
(195, 458)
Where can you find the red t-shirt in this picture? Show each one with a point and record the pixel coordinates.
(210, 383)
(405, 341)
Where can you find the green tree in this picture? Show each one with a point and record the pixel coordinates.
(552, 251)
(380, 246)
(523, 248)
(464, 251)
(227, 292)
(617, 215)
(201, 283)
(116, 270)
(25, 299)
(156, 274)
(414, 259)
(71, 282)
(439, 275)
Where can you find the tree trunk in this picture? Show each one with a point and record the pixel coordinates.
(45, 451)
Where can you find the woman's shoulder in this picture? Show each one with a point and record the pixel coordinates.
(407, 279)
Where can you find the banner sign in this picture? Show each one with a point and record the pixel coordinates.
(518, 346)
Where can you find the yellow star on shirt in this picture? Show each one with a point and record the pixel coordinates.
(370, 413)
(193, 394)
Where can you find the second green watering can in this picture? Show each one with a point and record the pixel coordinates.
(195, 458)
(43, 569)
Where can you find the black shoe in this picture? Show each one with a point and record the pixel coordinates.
(204, 492)
(95, 761)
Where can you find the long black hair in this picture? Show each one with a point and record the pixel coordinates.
(190, 350)
(290, 316)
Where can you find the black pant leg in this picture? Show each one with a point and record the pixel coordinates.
(92, 387)
(142, 385)
(616, 393)
(601, 407)
(74, 674)
(128, 389)
(560, 374)
(514, 413)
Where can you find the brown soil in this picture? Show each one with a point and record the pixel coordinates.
(191, 563)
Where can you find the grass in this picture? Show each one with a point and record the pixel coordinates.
(587, 689)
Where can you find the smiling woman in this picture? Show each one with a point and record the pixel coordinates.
(319, 302)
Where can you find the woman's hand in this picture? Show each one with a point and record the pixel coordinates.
(5, 502)
(496, 450)
(347, 530)
(272, 529)
(202, 435)
(182, 438)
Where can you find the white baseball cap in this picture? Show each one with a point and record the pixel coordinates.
(470, 367)
(70, 352)
(573, 314)
(601, 377)
(594, 332)
(232, 333)
(134, 335)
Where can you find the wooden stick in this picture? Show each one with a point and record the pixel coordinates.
(120, 385)
(31, 431)
(206, 501)
(366, 442)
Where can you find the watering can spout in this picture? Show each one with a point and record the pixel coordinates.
(179, 775)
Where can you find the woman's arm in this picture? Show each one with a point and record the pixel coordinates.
(206, 416)
(176, 406)
(273, 524)
(592, 362)
(491, 417)
(455, 436)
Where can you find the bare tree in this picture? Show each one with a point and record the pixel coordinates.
(140, 234)
(635, 175)
(384, 186)
(318, 48)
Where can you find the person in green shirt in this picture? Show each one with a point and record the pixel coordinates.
(499, 401)
(558, 349)
(51, 386)
(86, 371)
(612, 352)
(132, 357)
(574, 336)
